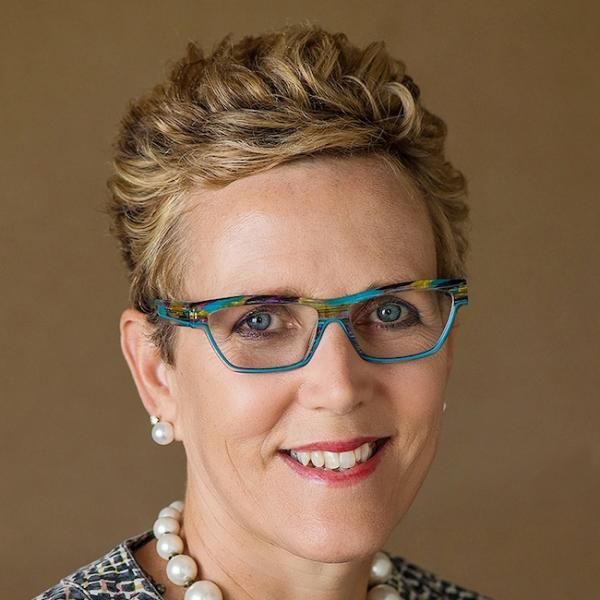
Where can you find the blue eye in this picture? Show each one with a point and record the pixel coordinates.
(389, 312)
(258, 321)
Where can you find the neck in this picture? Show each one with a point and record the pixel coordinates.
(247, 567)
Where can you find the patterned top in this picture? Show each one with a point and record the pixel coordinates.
(117, 576)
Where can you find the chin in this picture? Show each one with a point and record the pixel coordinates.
(338, 541)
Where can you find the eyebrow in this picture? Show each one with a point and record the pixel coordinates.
(295, 292)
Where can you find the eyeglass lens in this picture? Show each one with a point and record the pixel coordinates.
(266, 336)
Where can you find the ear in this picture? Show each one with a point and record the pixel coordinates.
(152, 376)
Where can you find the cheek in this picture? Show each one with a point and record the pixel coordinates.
(418, 398)
(225, 411)
(227, 421)
(421, 385)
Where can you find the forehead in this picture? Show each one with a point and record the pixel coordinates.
(317, 228)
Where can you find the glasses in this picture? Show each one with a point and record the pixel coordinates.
(266, 333)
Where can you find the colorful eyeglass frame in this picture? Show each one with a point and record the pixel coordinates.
(195, 315)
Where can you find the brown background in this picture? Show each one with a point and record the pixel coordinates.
(511, 505)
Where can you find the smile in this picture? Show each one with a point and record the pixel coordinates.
(337, 461)
(327, 465)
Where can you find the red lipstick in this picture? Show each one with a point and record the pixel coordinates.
(335, 446)
(341, 478)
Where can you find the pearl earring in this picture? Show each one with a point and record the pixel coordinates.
(162, 431)
(444, 407)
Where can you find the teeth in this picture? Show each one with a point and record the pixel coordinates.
(365, 452)
(347, 460)
(304, 457)
(334, 460)
(317, 458)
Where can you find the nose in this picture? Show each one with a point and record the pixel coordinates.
(335, 379)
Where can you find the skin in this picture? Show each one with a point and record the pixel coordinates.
(328, 227)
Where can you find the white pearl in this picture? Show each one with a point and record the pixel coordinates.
(381, 568)
(168, 545)
(165, 525)
(162, 433)
(169, 511)
(182, 569)
(203, 590)
(177, 505)
(383, 592)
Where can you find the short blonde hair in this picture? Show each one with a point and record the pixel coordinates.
(255, 104)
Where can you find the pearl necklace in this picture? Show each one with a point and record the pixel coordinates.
(182, 569)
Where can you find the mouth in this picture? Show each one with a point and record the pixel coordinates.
(320, 459)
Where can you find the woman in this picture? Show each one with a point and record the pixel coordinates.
(295, 240)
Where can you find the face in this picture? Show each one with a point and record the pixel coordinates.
(326, 227)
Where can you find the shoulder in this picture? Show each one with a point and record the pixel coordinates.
(113, 576)
(416, 583)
